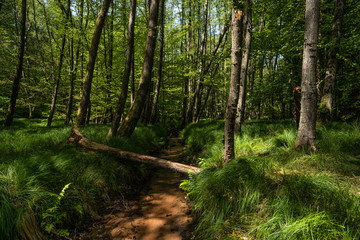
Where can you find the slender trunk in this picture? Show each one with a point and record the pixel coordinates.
(57, 82)
(244, 67)
(85, 96)
(124, 87)
(307, 125)
(19, 66)
(74, 69)
(153, 117)
(229, 148)
(132, 84)
(72, 79)
(190, 57)
(108, 62)
(129, 124)
(327, 98)
(199, 85)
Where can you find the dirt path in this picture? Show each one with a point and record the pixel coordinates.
(160, 213)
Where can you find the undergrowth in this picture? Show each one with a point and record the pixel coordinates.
(52, 187)
(272, 191)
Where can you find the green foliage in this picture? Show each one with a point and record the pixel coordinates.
(271, 190)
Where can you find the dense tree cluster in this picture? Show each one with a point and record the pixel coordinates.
(54, 52)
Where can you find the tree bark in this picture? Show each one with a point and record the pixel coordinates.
(327, 98)
(85, 96)
(129, 123)
(77, 137)
(74, 68)
(244, 67)
(190, 106)
(307, 124)
(199, 85)
(19, 66)
(125, 83)
(229, 148)
(57, 82)
(153, 116)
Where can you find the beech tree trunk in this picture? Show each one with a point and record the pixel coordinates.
(125, 83)
(199, 85)
(19, 66)
(77, 137)
(74, 68)
(57, 82)
(133, 116)
(153, 116)
(327, 98)
(307, 124)
(244, 67)
(237, 17)
(85, 96)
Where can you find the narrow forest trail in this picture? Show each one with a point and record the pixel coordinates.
(159, 213)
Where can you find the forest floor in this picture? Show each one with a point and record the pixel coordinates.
(160, 211)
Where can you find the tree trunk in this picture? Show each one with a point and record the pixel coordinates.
(77, 137)
(190, 83)
(19, 66)
(132, 84)
(230, 114)
(57, 82)
(327, 98)
(307, 124)
(125, 83)
(129, 124)
(159, 72)
(244, 67)
(85, 96)
(199, 85)
(74, 69)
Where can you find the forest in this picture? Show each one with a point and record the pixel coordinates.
(249, 111)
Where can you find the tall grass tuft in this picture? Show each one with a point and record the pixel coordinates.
(46, 181)
(273, 191)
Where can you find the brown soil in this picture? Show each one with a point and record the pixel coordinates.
(160, 212)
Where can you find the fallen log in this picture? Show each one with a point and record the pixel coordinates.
(77, 137)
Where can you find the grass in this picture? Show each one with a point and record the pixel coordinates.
(272, 191)
(51, 187)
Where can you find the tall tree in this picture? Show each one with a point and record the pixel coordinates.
(19, 66)
(128, 125)
(237, 17)
(85, 96)
(57, 82)
(327, 98)
(199, 85)
(74, 67)
(307, 124)
(125, 83)
(244, 66)
(153, 116)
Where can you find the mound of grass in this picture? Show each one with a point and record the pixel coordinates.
(271, 190)
(51, 187)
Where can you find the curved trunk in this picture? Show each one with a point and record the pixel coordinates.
(128, 64)
(85, 96)
(133, 116)
(19, 65)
